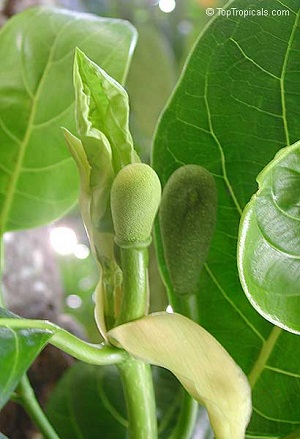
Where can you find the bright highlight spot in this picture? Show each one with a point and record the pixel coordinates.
(74, 301)
(169, 309)
(81, 251)
(167, 5)
(86, 283)
(63, 240)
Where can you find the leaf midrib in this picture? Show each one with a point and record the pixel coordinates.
(264, 355)
(16, 352)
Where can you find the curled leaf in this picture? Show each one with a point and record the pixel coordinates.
(200, 363)
(103, 149)
(269, 242)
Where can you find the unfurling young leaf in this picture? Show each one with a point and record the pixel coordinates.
(103, 149)
(187, 220)
(269, 242)
(200, 363)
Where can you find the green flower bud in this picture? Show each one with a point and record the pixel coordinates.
(135, 197)
(187, 222)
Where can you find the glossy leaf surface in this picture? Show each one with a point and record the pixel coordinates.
(18, 349)
(235, 106)
(200, 363)
(269, 242)
(97, 407)
(98, 404)
(38, 179)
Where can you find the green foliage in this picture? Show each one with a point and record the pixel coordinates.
(187, 218)
(135, 198)
(233, 109)
(19, 348)
(38, 178)
(98, 404)
(269, 246)
(235, 106)
(97, 407)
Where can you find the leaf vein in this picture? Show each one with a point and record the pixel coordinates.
(227, 298)
(257, 108)
(270, 418)
(16, 352)
(252, 60)
(23, 145)
(264, 355)
(48, 167)
(282, 372)
(223, 160)
(282, 80)
(53, 119)
(9, 133)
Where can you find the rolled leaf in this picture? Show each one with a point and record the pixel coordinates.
(269, 242)
(200, 363)
(102, 105)
(104, 148)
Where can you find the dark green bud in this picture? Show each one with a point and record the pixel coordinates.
(187, 221)
(135, 198)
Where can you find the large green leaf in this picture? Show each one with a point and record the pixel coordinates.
(269, 242)
(235, 106)
(98, 405)
(18, 349)
(38, 180)
(96, 409)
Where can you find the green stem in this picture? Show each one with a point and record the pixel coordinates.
(136, 376)
(134, 301)
(34, 410)
(187, 418)
(89, 353)
(140, 399)
(187, 306)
